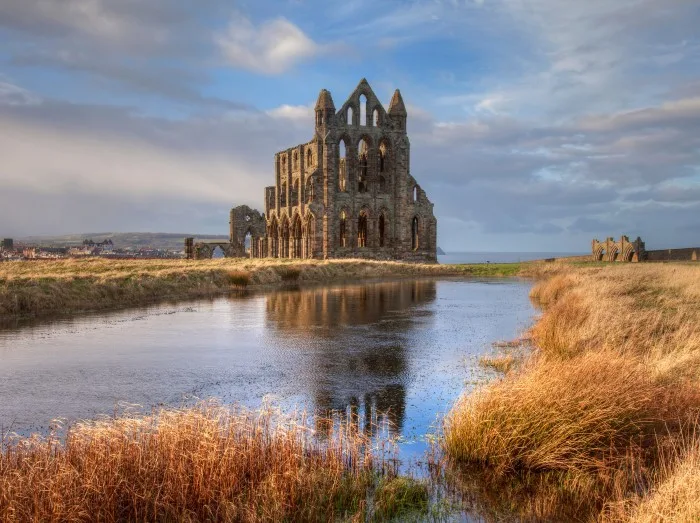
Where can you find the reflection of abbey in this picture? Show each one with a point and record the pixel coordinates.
(346, 193)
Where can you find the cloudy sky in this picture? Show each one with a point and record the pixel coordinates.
(535, 124)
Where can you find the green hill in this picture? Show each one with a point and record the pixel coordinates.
(121, 240)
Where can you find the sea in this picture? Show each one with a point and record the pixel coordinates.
(500, 257)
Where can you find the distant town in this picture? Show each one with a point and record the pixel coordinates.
(20, 251)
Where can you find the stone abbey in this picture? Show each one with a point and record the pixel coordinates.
(348, 193)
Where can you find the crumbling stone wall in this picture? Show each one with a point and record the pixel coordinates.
(685, 254)
(623, 250)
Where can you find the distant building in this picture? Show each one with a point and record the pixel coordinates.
(8, 244)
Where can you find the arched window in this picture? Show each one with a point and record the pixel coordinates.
(283, 194)
(382, 227)
(362, 229)
(415, 193)
(310, 190)
(414, 233)
(375, 118)
(362, 152)
(382, 184)
(309, 158)
(284, 251)
(350, 115)
(343, 166)
(383, 150)
(342, 229)
(363, 109)
(284, 164)
(295, 193)
(296, 160)
(296, 238)
(309, 237)
(248, 243)
(274, 238)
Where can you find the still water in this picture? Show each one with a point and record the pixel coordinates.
(397, 351)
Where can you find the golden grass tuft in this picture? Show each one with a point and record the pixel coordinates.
(239, 279)
(207, 463)
(500, 363)
(613, 381)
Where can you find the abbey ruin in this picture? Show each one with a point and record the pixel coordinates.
(347, 193)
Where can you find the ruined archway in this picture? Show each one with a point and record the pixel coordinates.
(309, 237)
(342, 229)
(362, 228)
(414, 233)
(382, 230)
(362, 157)
(284, 240)
(296, 237)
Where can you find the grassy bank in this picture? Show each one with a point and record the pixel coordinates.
(69, 286)
(600, 422)
(206, 463)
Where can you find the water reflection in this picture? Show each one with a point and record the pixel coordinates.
(398, 351)
(363, 379)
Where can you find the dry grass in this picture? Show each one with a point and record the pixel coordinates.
(207, 463)
(677, 496)
(613, 382)
(500, 362)
(67, 286)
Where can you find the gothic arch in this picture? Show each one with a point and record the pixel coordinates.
(383, 153)
(376, 117)
(344, 163)
(343, 227)
(273, 234)
(350, 114)
(309, 236)
(415, 233)
(310, 190)
(296, 234)
(283, 194)
(285, 233)
(363, 228)
(363, 104)
(383, 227)
(294, 197)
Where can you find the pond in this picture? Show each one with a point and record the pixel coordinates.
(400, 351)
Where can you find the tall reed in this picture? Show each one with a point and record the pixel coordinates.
(207, 463)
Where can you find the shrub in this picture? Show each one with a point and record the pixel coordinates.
(239, 278)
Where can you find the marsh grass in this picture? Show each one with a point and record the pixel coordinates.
(75, 285)
(613, 382)
(206, 463)
(503, 363)
(239, 279)
(401, 498)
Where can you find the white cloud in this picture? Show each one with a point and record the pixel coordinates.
(302, 114)
(11, 94)
(72, 160)
(271, 48)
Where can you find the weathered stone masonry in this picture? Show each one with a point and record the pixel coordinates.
(348, 193)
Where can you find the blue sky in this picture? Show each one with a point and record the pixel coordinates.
(534, 124)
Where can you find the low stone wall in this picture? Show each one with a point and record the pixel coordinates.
(688, 254)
